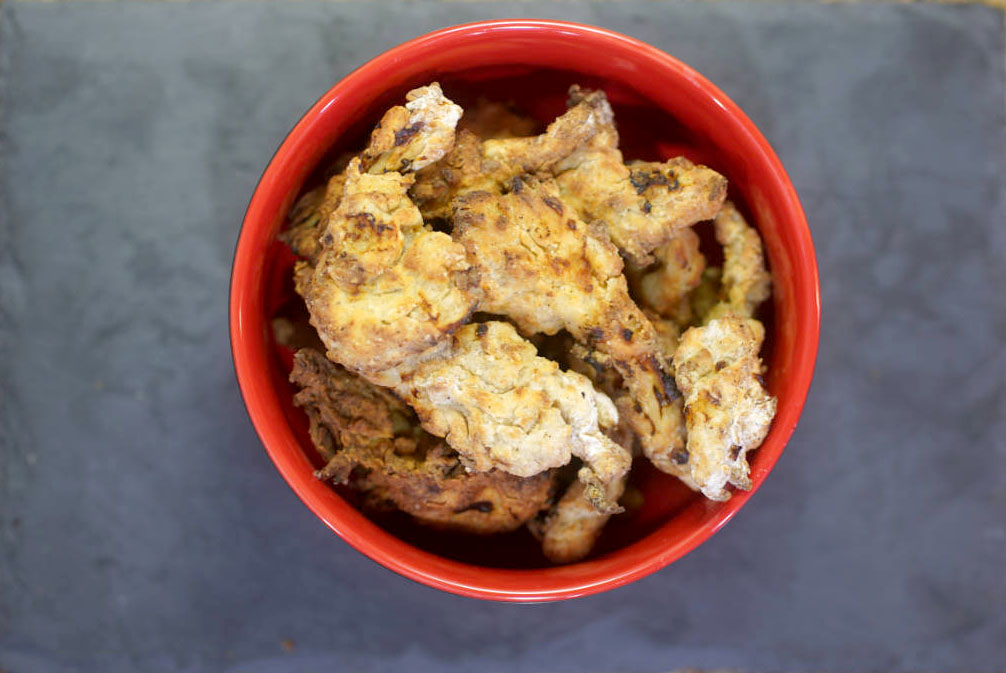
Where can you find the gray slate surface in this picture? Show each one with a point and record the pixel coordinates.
(142, 527)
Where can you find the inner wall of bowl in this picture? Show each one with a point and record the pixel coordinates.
(646, 132)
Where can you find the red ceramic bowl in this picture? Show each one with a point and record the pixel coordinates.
(663, 108)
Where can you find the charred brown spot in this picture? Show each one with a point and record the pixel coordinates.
(404, 135)
(643, 180)
(328, 239)
(483, 506)
(363, 220)
(516, 185)
(647, 207)
(680, 456)
(638, 408)
(405, 165)
(481, 330)
(571, 225)
(627, 334)
(720, 365)
(735, 451)
(670, 389)
(553, 204)
(595, 334)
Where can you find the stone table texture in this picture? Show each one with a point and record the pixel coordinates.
(143, 528)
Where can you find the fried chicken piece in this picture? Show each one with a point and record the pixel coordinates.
(666, 289)
(643, 204)
(727, 409)
(346, 411)
(491, 120)
(570, 529)
(372, 442)
(385, 288)
(542, 267)
(309, 217)
(500, 405)
(412, 137)
(745, 282)
(406, 138)
(475, 165)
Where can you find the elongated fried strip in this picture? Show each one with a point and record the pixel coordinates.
(745, 282)
(727, 409)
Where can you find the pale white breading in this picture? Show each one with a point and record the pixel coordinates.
(727, 409)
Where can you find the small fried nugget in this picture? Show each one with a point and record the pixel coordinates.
(412, 137)
(666, 289)
(371, 441)
(727, 409)
(570, 529)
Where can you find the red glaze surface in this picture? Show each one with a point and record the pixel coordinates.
(663, 108)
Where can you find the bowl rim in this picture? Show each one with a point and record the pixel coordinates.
(523, 585)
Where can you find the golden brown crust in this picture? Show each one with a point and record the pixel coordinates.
(412, 137)
(666, 289)
(727, 409)
(546, 270)
(500, 405)
(372, 443)
(642, 205)
(384, 288)
(570, 529)
(745, 282)
(489, 165)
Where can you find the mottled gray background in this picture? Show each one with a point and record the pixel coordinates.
(142, 527)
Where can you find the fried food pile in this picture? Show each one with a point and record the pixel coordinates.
(438, 259)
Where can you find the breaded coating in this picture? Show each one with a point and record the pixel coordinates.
(745, 283)
(500, 405)
(492, 120)
(310, 216)
(727, 409)
(385, 288)
(412, 137)
(475, 165)
(666, 289)
(642, 205)
(346, 411)
(542, 267)
(371, 441)
(570, 529)
(707, 294)
(406, 138)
